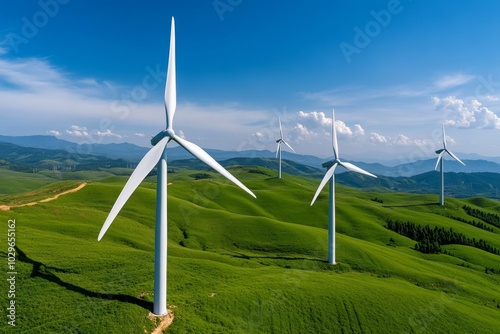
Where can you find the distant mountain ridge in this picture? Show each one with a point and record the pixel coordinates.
(133, 153)
(456, 184)
(33, 160)
(423, 166)
(23, 159)
(124, 151)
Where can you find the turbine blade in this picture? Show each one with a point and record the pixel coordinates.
(327, 177)
(354, 168)
(334, 137)
(278, 149)
(199, 153)
(289, 146)
(170, 86)
(440, 156)
(147, 163)
(444, 137)
(281, 129)
(454, 157)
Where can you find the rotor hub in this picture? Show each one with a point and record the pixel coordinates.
(170, 133)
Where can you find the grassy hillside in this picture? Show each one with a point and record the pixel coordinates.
(15, 182)
(240, 265)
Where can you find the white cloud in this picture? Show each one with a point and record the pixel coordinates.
(450, 140)
(31, 74)
(491, 98)
(54, 133)
(314, 118)
(78, 128)
(138, 134)
(302, 129)
(318, 123)
(311, 125)
(399, 140)
(358, 130)
(261, 137)
(181, 134)
(342, 128)
(378, 138)
(469, 114)
(402, 140)
(450, 81)
(301, 133)
(108, 133)
(77, 131)
(31, 87)
(258, 135)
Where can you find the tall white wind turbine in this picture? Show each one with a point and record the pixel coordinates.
(278, 149)
(157, 156)
(330, 175)
(440, 162)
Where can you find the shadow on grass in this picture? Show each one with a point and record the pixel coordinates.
(411, 205)
(43, 271)
(249, 257)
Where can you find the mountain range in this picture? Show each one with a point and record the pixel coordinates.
(133, 153)
(480, 177)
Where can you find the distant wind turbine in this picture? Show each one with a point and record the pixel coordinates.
(440, 162)
(157, 156)
(330, 175)
(278, 149)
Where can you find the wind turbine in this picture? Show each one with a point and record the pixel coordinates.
(331, 165)
(278, 149)
(157, 156)
(440, 162)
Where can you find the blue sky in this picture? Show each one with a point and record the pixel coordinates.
(92, 71)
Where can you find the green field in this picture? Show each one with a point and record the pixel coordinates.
(243, 265)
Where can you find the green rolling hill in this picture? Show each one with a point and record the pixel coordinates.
(240, 265)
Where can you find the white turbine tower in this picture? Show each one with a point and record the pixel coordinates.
(440, 162)
(331, 165)
(157, 156)
(278, 149)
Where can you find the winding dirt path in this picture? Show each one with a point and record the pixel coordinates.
(7, 207)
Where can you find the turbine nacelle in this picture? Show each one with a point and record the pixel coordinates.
(329, 164)
(170, 133)
(440, 150)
